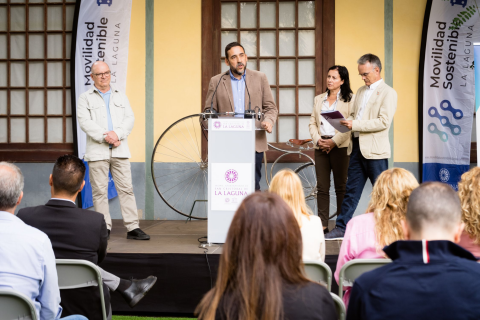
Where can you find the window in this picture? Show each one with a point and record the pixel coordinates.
(35, 103)
(292, 42)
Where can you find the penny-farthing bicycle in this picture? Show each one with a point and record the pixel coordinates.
(180, 167)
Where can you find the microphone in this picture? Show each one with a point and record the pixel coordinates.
(211, 110)
(249, 114)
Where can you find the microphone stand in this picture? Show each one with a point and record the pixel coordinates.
(249, 113)
(212, 113)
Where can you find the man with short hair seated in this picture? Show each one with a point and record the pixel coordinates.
(430, 277)
(79, 234)
(27, 262)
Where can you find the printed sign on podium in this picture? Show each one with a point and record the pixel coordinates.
(231, 171)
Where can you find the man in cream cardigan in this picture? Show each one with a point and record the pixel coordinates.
(369, 149)
(105, 115)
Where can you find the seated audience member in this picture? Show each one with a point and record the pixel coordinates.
(430, 277)
(79, 234)
(288, 186)
(260, 275)
(368, 233)
(469, 193)
(27, 262)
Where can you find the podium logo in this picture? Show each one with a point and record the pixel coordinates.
(231, 176)
(217, 124)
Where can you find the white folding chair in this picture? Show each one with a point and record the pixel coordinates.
(355, 268)
(318, 271)
(73, 274)
(16, 306)
(340, 306)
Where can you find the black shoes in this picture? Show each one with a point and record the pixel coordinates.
(138, 289)
(137, 234)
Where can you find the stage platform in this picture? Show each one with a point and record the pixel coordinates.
(184, 270)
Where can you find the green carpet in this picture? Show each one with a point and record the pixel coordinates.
(145, 318)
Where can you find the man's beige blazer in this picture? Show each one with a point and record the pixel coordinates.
(260, 95)
(341, 140)
(376, 120)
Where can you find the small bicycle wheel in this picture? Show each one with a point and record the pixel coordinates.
(180, 170)
(307, 175)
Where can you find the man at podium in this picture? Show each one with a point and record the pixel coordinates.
(239, 90)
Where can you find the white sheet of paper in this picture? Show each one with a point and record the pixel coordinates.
(334, 118)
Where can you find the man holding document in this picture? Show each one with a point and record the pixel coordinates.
(369, 148)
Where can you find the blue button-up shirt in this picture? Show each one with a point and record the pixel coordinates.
(27, 265)
(238, 91)
(106, 98)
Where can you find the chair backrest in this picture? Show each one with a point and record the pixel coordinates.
(340, 306)
(355, 268)
(73, 274)
(318, 271)
(16, 306)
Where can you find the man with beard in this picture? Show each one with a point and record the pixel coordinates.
(232, 88)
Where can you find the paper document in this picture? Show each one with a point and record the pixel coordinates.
(334, 118)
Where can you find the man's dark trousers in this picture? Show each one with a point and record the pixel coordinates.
(359, 170)
(258, 169)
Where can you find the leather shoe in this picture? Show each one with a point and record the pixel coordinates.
(137, 234)
(137, 290)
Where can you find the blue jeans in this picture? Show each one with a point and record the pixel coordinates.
(359, 170)
(74, 317)
(258, 169)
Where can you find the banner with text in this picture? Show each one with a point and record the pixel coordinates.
(103, 30)
(476, 53)
(448, 89)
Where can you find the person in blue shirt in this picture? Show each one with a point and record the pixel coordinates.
(27, 262)
(430, 277)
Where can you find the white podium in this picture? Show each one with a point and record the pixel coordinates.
(231, 171)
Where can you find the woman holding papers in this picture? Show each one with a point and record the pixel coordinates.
(330, 144)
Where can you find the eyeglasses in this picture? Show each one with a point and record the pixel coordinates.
(106, 74)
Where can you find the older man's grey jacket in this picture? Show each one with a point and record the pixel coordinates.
(92, 117)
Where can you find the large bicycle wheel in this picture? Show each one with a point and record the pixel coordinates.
(179, 170)
(307, 175)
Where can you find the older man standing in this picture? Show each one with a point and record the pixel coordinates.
(105, 115)
(369, 149)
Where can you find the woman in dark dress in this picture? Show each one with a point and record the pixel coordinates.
(261, 273)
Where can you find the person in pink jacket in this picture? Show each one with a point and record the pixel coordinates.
(469, 194)
(367, 234)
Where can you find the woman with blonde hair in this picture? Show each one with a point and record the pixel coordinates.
(368, 233)
(288, 186)
(260, 275)
(469, 193)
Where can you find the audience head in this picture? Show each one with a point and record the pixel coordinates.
(388, 203)
(262, 250)
(67, 176)
(11, 186)
(469, 193)
(236, 58)
(434, 213)
(369, 68)
(339, 74)
(288, 186)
